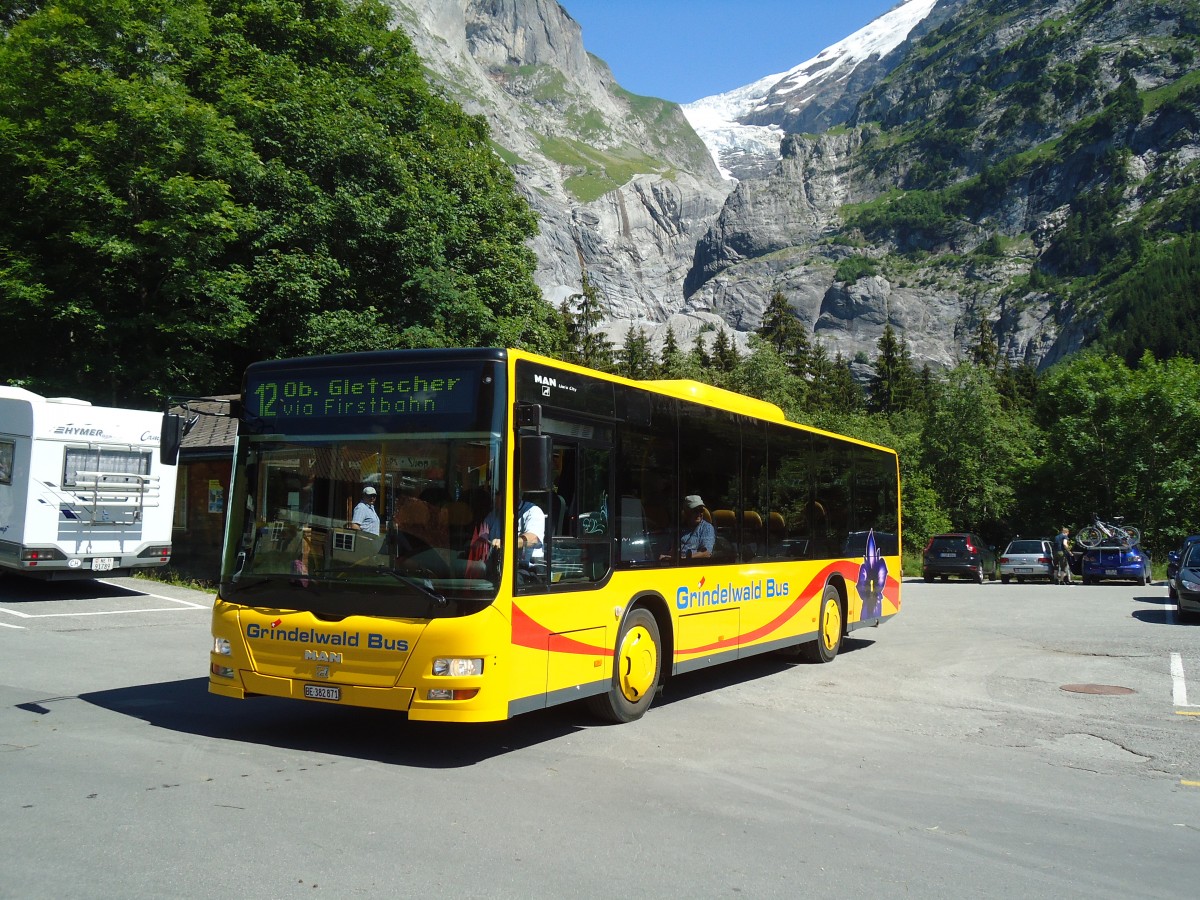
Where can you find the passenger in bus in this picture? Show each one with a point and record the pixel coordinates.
(419, 522)
(479, 552)
(698, 537)
(365, 519)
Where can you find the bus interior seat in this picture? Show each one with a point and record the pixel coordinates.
(558, 507)
(724, 520)
(752, 534)
(725, 523)
(776, 532)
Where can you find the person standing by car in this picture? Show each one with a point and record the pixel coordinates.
(1062, 556)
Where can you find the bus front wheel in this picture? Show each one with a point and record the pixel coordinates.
(637, 665)
(829, 628)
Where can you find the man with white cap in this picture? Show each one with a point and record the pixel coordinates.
(698, 536)
(366, 519)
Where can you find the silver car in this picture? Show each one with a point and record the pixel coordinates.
(1027, 558)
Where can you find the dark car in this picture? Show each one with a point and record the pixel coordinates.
(1027, 558)
(1173, 558)
(1112, 559)
(961, 554)
(1187, 583)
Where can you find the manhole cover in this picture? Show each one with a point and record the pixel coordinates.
(1097, 689)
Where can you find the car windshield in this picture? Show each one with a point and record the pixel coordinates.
(1024, 547)
(1191, 558)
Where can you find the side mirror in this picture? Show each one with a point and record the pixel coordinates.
(174, 427)
(537, 471)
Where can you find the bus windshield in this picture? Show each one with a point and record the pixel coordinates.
(334, 514)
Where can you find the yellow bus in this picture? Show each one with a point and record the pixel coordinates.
(467, 535)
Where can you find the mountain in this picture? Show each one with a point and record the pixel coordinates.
(1024, 169)
(622, 185)
(743, 128)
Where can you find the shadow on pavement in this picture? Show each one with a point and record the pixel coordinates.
(187, 707)
(18, 589)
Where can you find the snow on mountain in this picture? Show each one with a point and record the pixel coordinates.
(743, 127)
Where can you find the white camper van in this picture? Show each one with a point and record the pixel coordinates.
(82, 490)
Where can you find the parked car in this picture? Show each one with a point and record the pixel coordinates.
(1027, 558)
(1173, 558)
(1112, 560)
(1187, 583)
(961, 554)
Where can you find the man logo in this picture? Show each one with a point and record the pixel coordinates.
(322, 671)
(322, 656)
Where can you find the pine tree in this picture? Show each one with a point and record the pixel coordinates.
(893, 386)
(725, 353)
(586, 344)
(844, 393)
(787, 335)
(700, 354)
(671, 361)
(822, 384)
(985, 354)
(634, 359)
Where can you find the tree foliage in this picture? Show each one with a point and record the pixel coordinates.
(583, 313)
(195, 184)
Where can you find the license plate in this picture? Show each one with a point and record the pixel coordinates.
(322, 692)
(948, 555)
(102, 564)
(1023, 569)
(1110, 571)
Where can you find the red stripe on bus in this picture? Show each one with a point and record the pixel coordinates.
(526, 632)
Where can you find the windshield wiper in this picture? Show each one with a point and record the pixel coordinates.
(422, 585)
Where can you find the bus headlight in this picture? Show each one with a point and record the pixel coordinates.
(455, 666)
(221, 646)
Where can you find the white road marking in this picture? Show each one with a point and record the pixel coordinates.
(1177, 680)
(6, 625)
(183, 605)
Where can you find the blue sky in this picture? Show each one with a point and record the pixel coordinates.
(683, 50)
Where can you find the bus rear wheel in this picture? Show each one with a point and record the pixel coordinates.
(637, 665)
(829, 628)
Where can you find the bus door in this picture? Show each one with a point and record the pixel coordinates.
(559, 594)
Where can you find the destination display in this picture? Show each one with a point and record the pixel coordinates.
(391, 392)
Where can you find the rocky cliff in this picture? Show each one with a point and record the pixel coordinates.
(622, 185)
(971, 175)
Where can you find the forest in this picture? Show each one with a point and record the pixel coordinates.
(193, 185)
(985, 446)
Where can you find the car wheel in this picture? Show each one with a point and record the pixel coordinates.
(1171, 594)
(928, 579)
(1005, 579)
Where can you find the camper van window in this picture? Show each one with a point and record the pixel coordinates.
(6, 461)
(103, 459)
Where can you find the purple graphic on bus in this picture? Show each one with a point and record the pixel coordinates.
(872, 577)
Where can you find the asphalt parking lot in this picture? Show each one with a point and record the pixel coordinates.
(990, 741)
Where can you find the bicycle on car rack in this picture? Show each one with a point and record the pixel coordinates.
(1098, 532)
